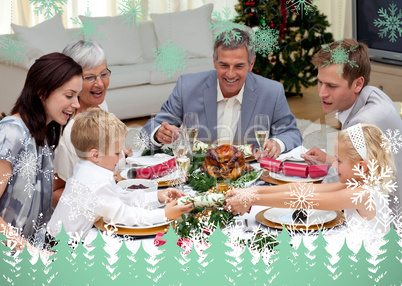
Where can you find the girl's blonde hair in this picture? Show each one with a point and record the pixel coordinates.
(374, 139)
(96, 129)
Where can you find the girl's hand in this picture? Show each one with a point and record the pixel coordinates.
(169, 194)
(234, 204)
(173, 211)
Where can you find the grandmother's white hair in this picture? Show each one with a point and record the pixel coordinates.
(87, 54)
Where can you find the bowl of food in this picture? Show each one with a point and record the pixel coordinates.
(138, 184)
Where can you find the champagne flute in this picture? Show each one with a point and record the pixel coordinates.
(190, 125)
(182, 152)
(261, 129)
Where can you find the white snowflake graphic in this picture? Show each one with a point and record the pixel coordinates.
(246, 196)
(169, 59)
(301, 5)
(265, 40)
(391, 23)
(12, 51)
(340, 57)
(79, 201)
(13, 235)
(303, 194)
(38, 237)
(391, 141)
(224, 25)
(372, 184)
(88, 27)
(134, 12)
(46, 7)
(25, 165)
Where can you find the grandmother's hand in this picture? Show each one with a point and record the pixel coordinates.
(235, 204)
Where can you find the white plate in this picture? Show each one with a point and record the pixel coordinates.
(152, 185)
(290, 179)
(284, 216)
(149, 160)
(139, 226)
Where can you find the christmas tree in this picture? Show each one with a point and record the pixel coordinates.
(286, 38)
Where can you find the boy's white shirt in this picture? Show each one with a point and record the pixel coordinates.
(92, 193)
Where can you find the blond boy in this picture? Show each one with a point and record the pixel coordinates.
(92, 193)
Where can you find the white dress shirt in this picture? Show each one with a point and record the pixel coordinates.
(92, 193)
(343, 115)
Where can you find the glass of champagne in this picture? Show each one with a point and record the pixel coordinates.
(261, 129)
(182, 152)
(190, 125)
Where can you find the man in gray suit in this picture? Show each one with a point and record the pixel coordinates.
(226, 101)
(354, 101)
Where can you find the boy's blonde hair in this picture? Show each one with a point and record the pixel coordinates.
(96, 129)
(374, 139)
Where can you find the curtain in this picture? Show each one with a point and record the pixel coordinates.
(339, 15)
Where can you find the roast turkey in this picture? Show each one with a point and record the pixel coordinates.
(225, 162)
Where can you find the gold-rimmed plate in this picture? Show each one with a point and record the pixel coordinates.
(134, 231)
(338, 220)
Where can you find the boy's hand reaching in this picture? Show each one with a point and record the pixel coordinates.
(169, 194)
(173, 211)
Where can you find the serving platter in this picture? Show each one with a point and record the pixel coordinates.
(338, 220)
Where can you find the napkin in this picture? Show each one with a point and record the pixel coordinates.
(294, 154)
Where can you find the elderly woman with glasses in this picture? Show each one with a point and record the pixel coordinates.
(91, 57)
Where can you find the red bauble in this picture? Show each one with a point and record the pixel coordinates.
(252, 3)
(251, 14)
(247, 3)
(273, 60)
(272, 25)
(257, 71)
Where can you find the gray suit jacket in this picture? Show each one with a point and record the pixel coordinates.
(198, 93)
(375, 107)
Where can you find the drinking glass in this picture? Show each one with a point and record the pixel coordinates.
(190, 125)
(261, 129)
(182, 152)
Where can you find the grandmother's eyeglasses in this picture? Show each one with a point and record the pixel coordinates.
(102, 76)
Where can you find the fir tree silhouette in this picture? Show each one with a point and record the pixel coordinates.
(169, 265)
(283, 267)
(142, 275)
(41, 277)
(80, 266)
(218, 268)
(194, 271)
(24, 274)
(390, 267)
(7, 270)
(345, 267)
(364, 269)
(98, 269)
(322, 274)
(62, 266)
(303, 264)
(124, 266)
(247, 270)
(261, 276)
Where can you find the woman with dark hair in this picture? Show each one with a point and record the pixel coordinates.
(27, 140)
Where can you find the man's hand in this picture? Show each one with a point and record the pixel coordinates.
(271, 150)
(169, 194)
(316, 157)
(173, 211)
(164, 133)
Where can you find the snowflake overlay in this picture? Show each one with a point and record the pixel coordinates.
(134, 12)
(340, 57)
(12, 51)
(303, 194)
(224, 25)
(301, 5)
(169, 59)
(391, 23)
(46, 6)
(391, 141)
(246, 196)
(88, 27)
(79, 202)
(266, 40)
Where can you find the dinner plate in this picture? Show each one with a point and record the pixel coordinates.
(284, 216)
(291, 179)
(339, 220)
(118, 225)
(148, 161)
(134, 232)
